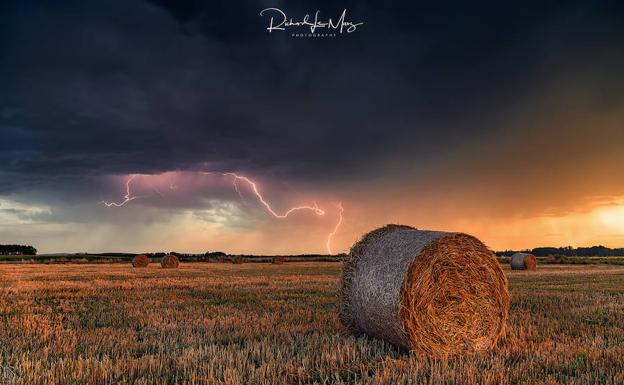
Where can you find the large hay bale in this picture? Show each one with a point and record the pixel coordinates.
(279, 260)
(140, 260)
(432, 292)
(169, 261)
(237, 260)
(523, 261)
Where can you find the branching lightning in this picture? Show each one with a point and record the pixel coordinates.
(240, 195)
(254, 188)
(127, 197)
(317, 210)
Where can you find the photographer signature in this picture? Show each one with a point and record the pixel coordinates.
(279, 21)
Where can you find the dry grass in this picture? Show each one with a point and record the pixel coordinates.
(267, 324)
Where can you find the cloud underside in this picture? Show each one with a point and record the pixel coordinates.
(434, 116)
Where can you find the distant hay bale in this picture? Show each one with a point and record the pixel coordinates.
(169, 261)
(523, 261)
(238, 260)
(279, 260)
(140, 260)
(432, 292)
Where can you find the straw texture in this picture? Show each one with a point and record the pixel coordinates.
(433, 292)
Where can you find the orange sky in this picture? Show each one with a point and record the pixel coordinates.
(550, 176)
(244, 226)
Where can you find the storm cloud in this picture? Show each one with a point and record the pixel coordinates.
(469, 108)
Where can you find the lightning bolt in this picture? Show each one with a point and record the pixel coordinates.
(254, 187)
(315, 208)
(127, 197)
(240, 195)
(331, 235)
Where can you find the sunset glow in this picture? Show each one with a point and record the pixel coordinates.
(190, 130)
(172, 180)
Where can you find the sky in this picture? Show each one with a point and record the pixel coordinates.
(504, 120)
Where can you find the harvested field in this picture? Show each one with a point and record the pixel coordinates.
(265, 324)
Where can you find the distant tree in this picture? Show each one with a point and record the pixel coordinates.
(215, 254)
(545, 251)
(568, 251)
(17, 249)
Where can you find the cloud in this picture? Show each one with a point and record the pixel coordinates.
(434, 115)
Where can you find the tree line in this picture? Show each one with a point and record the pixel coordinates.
(568, 251)
(17, 250)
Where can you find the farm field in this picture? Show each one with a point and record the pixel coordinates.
(208, 323)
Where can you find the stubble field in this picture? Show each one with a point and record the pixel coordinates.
(211, 323)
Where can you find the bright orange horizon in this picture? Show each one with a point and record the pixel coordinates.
(195, 212)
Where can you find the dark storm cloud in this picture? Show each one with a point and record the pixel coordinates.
(95, 88)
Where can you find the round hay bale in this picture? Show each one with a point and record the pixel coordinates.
(432, 292)
(140, 260)
(279, 260)
(523, 261)
(169, 261)
(238, 260)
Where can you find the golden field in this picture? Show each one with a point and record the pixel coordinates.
(209, 323)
